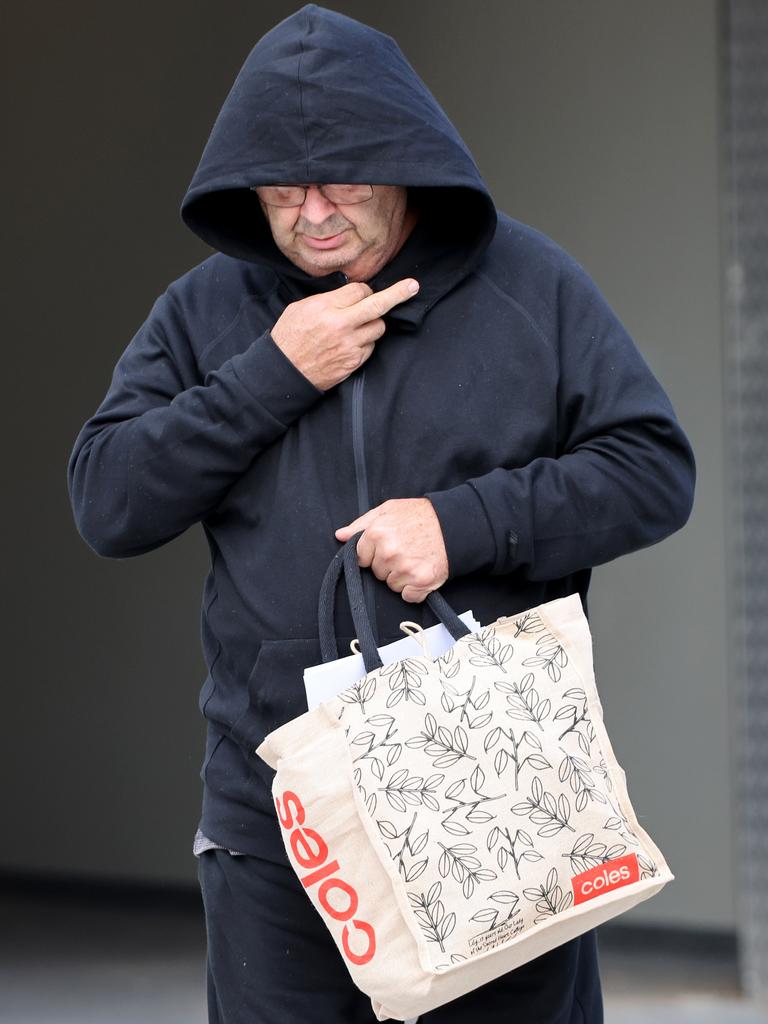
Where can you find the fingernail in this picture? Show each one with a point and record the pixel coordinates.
(413, 287)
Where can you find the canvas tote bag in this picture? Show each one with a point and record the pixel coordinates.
(453, 818)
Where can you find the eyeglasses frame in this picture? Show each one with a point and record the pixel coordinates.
(320, 187)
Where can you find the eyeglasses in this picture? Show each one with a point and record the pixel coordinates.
(296, 195)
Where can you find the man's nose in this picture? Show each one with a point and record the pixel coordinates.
(316, 208)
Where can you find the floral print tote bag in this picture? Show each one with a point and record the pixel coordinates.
(453, 818)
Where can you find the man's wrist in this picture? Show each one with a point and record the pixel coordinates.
(272, 379)
(469, 541)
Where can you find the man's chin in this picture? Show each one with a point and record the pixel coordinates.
(358, 264)
(319, 263)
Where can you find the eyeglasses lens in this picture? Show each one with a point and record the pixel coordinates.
(295, 195)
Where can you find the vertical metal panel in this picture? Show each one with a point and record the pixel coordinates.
(745, 67)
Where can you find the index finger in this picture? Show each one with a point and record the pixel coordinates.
(376, 305)
(350, 294)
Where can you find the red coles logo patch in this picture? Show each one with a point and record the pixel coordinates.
(311, 852)
(605, 877)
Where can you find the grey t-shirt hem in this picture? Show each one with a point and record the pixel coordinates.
(202, 842)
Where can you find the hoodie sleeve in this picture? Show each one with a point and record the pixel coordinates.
(623, 477)
(163, 447)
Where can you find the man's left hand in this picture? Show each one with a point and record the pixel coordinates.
(403, 545)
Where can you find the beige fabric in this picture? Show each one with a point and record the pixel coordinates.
(465, 813)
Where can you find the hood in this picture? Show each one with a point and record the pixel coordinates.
(322, 97)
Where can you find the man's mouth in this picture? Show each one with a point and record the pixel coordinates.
(329, 242)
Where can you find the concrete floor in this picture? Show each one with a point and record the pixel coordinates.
(94, 954)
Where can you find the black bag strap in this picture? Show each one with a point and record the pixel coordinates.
(346, 559)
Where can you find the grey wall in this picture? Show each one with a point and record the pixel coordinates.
(596, 122)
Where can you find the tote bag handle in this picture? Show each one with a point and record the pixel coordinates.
(346, 559)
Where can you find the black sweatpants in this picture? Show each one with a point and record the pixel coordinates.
(271, 960)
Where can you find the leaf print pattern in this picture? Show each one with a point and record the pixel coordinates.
(490, 915)
(550, 655)
(447, 659)
(440, 743)
(586, 853)
(411, 845)
(451, 701)
(529, 623)
(461, 863)
(524, 701)
(469, 810)
(404, 678)
(543, 809)
(514, 753)
(518, 849)
(549, 897)
(601, 769)
(620, 824)
(430, 913)
(483, 773)
(576, 771)
(403, 789)
(647, 868)
(578, 715)
(367, 745)
(361, 692)
(369, 799)
(448, 664)
(488, 650)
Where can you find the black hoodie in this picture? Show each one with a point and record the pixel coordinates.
(507, 391)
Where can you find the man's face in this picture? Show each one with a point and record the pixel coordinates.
(322, 237)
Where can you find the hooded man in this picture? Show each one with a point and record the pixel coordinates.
(372, 346)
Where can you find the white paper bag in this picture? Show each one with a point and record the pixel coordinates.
(328, 680)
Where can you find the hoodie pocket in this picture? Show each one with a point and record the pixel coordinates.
(276, 691)
(276, 695)
(276, 684)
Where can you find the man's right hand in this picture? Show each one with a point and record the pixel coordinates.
(328, 336)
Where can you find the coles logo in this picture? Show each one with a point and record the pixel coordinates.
(605, 877)
(311, 851)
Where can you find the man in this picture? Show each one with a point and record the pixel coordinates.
(372, 346)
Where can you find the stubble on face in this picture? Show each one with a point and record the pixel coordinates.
(371, 233)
